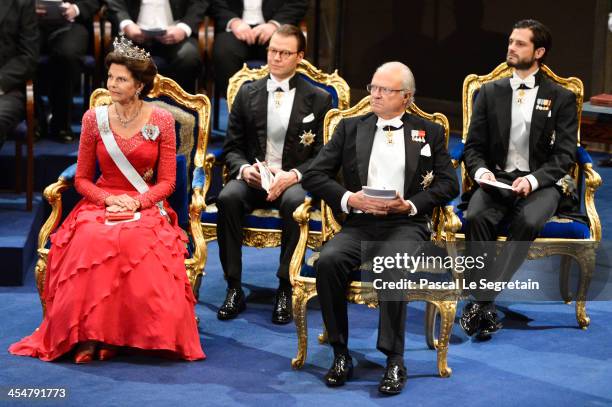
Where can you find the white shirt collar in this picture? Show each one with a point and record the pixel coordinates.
(395, 122)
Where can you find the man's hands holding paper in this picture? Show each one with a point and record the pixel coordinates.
(521, 186)
(273, 180)
(251, 176)
(281, 181)
(377, 206)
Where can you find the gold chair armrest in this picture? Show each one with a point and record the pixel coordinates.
(53, 195)
(446, 223)
(209, 164)
(198, 259)
(302, 217)
(592, 182)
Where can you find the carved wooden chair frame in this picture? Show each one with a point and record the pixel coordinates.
(581, 250)
(200, 105)
(304, 288)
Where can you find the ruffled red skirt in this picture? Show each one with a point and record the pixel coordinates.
(123, 285)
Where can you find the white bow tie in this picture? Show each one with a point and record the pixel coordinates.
(515, 82)
(273, 86)
(396, 122)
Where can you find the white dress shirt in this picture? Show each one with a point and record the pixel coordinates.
(523, 101)
(387, 167)
(252, 13)
(277, 124)
(155, 14)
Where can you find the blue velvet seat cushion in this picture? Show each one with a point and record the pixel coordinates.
(262, 218)
(556, 227)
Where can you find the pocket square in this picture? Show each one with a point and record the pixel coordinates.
(308, 118)
(426, 151)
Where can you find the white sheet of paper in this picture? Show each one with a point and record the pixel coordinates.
(379, 193)
(496, 184)
(266, 176)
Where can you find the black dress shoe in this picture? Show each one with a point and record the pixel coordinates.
(233, 305)
(340, 371)
(281, 313)
(489, 323)
(393, 380)
(470, 318)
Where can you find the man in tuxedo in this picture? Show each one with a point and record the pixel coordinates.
(380, 150)
(277, 120)
(243, 29)
(18, 58)
(65, 41)
(522, 132)
(176, 44)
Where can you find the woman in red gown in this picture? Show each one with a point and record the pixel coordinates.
(125, 284)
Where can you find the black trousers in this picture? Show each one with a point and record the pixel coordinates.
(235, 201)
(526, 217)
(341, 255)
(229, 54)
(182, 62)
(12, 110)
(65, 48)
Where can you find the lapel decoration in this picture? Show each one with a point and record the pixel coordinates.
(428, 178)
(543, 104)
(418, 136)
(307, 138)
(553, 136)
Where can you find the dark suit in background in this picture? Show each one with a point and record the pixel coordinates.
(65, 44)
(182, 61)
(229, 53)
(552, 148)
(246, 141)
(18, 58)
(350, 149)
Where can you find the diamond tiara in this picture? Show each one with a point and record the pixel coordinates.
(125, 47)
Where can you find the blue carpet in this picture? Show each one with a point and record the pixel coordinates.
(539, 358)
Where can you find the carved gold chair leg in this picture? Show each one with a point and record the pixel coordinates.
(431, 314)
(40, 274)
(586, 261)
(564, 278)
(300, 302)
(447, 310)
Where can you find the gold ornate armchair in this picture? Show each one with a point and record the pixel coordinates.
(568, 238)
(263, 227)
(302, 273)
(192, 117)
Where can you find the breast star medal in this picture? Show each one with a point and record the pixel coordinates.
(428, 178)
(148, 175)
(307, 138)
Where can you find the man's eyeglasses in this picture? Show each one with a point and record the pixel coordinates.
(385, 91)
(282, 53)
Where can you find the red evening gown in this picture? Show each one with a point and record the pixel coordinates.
(123, 284)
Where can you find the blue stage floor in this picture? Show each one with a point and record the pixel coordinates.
(540, 358)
